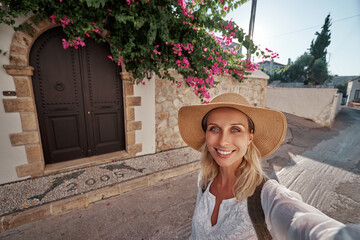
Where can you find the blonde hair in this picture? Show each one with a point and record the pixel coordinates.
(249, 174)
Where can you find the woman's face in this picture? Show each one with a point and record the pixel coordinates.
(227, 136)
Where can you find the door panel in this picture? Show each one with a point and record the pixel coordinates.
(106, 124)
(105, 99)
(78, 95)
(107, 132)
(66, 142)
(58, 95)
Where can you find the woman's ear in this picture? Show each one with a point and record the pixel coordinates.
(251, 137)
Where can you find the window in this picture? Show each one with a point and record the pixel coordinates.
(357, 94)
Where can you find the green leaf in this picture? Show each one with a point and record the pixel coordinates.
(152, 33)
(139, 22)
(95, 3)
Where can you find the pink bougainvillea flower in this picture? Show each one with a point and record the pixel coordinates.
(80, 41)
(65, 21)
(179, 54)
(229, 26)
(65, 44)
(53, 19)
(182, 3)
(97, 30)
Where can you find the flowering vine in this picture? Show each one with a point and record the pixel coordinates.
(190, 36)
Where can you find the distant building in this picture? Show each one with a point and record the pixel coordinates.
(270, 67)
(353, 92)
(341, 80)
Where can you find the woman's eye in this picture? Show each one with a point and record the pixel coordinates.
(235, 130)
(214, 129)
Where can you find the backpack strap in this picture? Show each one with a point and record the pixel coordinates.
(256, 213)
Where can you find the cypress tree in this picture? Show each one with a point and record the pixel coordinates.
(317, 72)
(318, 48)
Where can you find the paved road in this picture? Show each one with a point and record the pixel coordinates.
(162, 211)
(328, 175)
(322, 164)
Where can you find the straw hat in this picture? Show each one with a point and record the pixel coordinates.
(270, 125)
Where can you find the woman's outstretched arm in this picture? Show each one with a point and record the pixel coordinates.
(288, 217)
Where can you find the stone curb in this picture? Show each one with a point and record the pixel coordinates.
(83, 200)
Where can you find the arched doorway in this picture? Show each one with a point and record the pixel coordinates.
(78, 96)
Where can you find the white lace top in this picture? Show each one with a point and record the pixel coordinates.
(233, 219)
(286, 216)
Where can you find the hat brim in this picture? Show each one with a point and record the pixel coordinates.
(270, 125)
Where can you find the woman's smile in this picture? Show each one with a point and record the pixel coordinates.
(224, 153)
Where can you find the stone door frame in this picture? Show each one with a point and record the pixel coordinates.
(24, 104)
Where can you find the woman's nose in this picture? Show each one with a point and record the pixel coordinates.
(224, 139)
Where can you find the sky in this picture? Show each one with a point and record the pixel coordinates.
(288, 27)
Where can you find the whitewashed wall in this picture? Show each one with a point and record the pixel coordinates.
(352, 87)
(10, 156)
(337, 103)
(146, 114)
(318, 104)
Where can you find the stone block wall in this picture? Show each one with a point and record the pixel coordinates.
(169, 99)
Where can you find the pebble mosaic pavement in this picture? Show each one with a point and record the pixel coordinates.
(24, 194)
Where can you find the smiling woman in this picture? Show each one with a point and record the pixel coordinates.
(235, 199)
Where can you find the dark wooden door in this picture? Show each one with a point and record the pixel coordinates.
(78, 95)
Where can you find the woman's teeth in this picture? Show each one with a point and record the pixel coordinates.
(223, 152)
